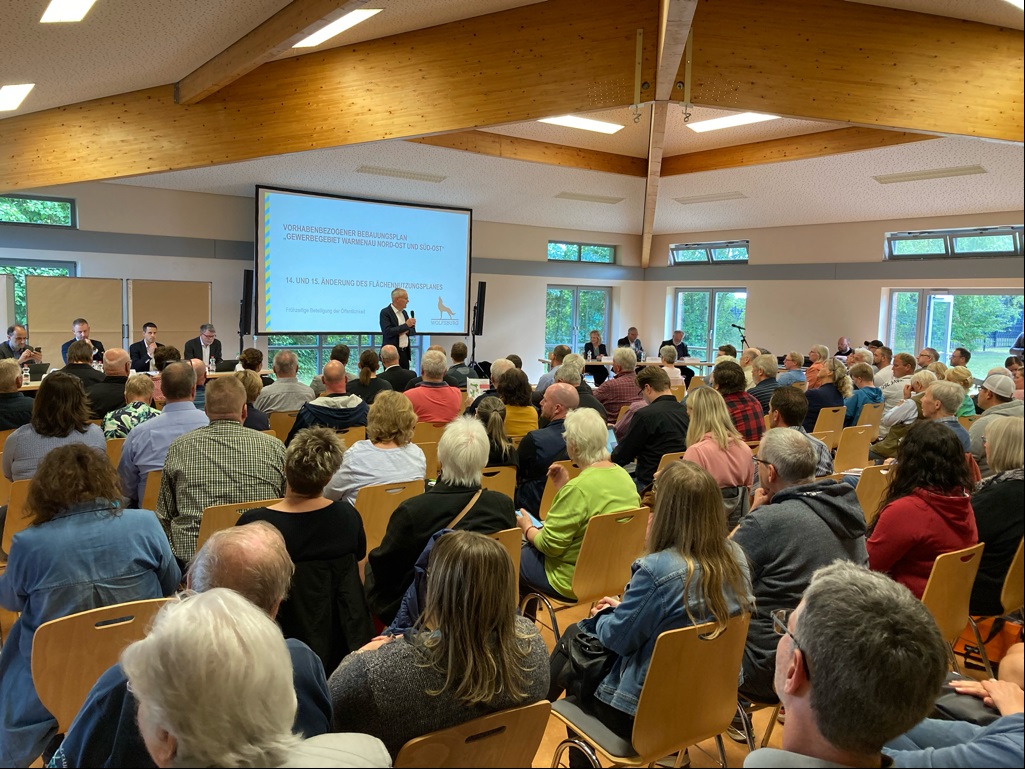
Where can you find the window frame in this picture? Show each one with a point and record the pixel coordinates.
(419, 344)
(709, 248)
(53, 264)
(606, 329)
(949, 238)
(579, 247)
(73, 225)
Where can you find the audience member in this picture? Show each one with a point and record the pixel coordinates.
(1019, 384)
(843, 347)
(287, 393)
(80, 552)
(728, 351)
(451, 381)
(960, 357)
(818, 355)
(788, 409)
(15, 406)
(622, 389)
(897, 421)
(162, 358)
(16, 347)
(472, 654)
(205, 347)
(540, 448)
(626, 418)
(219, 464)
(893, 391)
(80, 331)
(764, 370)
(138, 408)
(398, 377)
(146, 446)
(865, 392)
(200, 400)
(514, 391)
(939, 402)
(571, 372)
(255, 419)
(631, 341)
(926, 356)
(834, 387)
(747, 357)
(659, 428)
(714, 444)
(1013, 364)
(939, 368)
(80, 356)
(251, 359)
(109, 393)
(340, 353)
(667, 355)
(996, 399)
(335, 408)
(459, 370)
(502, 452)
(745, 410)
(854, 639)
(793, 373)
(517, 361)
(253, 562)
(433, 399)
(387, 455)
(498, 367)
(595, 350)
(456, 501)
(141, 352)
(874, 344)
(368, 385)
(883, 361)
(555, 359)
(926, 511)
(549, 555)
(861, 355)
(796, 525)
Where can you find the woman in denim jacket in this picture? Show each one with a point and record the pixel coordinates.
(81, 552)
(691, 574)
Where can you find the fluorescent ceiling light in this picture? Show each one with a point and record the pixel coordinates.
(730, 121)
(715, 197)
(348, 21)
(583, 123)
(66, 10)
(590, 198)
(934, 173)
(397, 173)
(11, 96)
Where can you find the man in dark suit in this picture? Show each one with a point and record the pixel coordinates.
(397, 326)
(205, 347)
(141, 352)
(80, 328)
(393, 373)
(15, 347)
(631, 341)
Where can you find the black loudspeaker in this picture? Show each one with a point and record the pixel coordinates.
(478, 309)
(245, 316)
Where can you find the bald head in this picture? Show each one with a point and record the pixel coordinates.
(200, 368)
(389, 355)
(116, 362)
(334, 377)
(559, 399)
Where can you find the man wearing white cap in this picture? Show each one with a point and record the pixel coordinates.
(996, 399)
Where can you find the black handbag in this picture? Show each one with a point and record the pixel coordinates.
(579, 663)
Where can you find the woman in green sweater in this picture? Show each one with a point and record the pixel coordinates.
(548, 560)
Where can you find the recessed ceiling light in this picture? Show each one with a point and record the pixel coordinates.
(398, 173)
(730, 121)
(715, 197)
(66, 11)
(11, 96)
(590, 198)
(348, 21)
(934, 173)
(583, 123)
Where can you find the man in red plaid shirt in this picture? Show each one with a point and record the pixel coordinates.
(621, 390)
(744, 408)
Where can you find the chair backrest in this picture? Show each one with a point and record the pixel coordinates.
(966, 422)
(826, 436)
(506, 738)
(3, 437)
(707, 670)
(114, 446)
(273, 433)
(695, 383)
(428, 432)
(71, 653)
(871, 490)
(16, 519)
(512, 541)
(612, 542)
(430, 451)
(377, 503)
(1012, 596)
(950, 587)
(679, 392)
(831, 419)
(152, 490)
(622, 410)
(352, 434)
(501, 479)
(870, 416)
(852, 449)
(217, 517)
(281, 422)
(5, 485)
(668, 459)
(548, 495)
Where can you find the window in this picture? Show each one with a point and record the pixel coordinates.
(19, 269)
(314, 350)
(722, 252)
(581, 252)
(708, 318)
(22, 209)
(572, 312)
(944, 244)
(984, 323)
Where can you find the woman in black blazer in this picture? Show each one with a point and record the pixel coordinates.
(594, 350)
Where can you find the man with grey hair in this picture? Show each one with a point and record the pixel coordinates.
(287, 393)
(796, 525)
(498, 367)
(392, 372)
(747, 357)
(858, 662)
(206, 347)
(335, 408)
(15, 407)
(539, 448)
(397, 325)
(109, 394)
(764, 370)
(926, 356)
(572, 373)
(555, 359)
(621, 390)
(940, 403)
(433, 399)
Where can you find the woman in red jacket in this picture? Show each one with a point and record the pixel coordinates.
(927, 511)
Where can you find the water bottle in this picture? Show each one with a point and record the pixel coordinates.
(26, 375)
(589, 355)
(211, 366)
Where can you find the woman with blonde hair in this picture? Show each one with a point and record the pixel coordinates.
(834, 385)
(818, 355)
(368, 385)
(388, 454)
(963, 377)
(714, 443)
(253, 382)
(690, 574)
(469, 655)
(491, 413)
(939, 368)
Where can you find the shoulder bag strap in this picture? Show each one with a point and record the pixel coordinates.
(465, 510)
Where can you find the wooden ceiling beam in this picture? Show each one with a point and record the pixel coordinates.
(804, 147)
(297, 20)
(515, 148)
(656, 138)
(501, 68)
(675, 22)
(859, 64)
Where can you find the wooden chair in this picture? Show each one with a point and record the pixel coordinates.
(501, 479)
(612, 542)
(152, 491)
(218, 517)
(852, 448)
(871, 490)
(273, 433)
(870, 416)
(666, 722)
(831, 419)
(5, 485)
(71, 653)
(1012, 598)
(512, 541)
(281, 423)
(622, 412)
(768, 426)
(548, 495)
(114, 446)
(377, 503)
(949, 590)
(679, 391)
(352, 434)
(826, 436)
(428, 432)
(430, 451)
(695, 383)
(4, 434)
(16, 519)
(506, 738)
(668, 459)
(966, 422)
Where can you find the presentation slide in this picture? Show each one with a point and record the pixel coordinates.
(328, 264)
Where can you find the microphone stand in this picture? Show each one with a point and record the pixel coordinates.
(473, 344)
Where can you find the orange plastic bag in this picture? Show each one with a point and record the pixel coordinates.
(998, 634)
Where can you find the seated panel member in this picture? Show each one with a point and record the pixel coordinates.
(595, 350)
(142, 351)
(16, 347)
(80, 328)
(205, 347)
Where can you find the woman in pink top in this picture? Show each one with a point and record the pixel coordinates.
(714, 443)
(818, 355)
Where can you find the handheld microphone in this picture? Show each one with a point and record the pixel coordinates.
(412, 314)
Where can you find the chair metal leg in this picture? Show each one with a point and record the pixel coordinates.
(547, 604)
(772, 723)
(745, 718)
(953, 658)
(575, 742)
(722, 750)
(982, 648)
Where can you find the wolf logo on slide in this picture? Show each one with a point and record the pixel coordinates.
(442, 309)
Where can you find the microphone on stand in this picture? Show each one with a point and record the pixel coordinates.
(741, 328)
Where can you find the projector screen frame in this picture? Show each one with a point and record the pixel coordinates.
(259, 316)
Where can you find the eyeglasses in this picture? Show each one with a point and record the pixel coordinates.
(781, 624)
(758, 461)
(209, 336)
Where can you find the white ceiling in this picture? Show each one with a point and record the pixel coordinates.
(999, 13)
